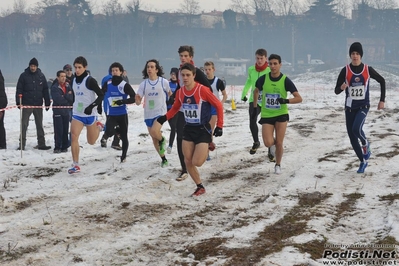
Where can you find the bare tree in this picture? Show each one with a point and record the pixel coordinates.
(190, 8)
(377, 4)
(112, 7)
(263, 5)
(135, 29)
(343, 8)
(289, 7)
(20, 6)
(41, 6)
(240, 6)
(384, 4)
(133, 6)
(5, 12)
(279, 7)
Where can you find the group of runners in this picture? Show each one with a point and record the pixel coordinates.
(191, 102)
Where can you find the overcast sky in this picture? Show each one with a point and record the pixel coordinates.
(154, 5)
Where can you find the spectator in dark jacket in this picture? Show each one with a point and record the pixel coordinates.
(32, 84)
(3, 104)
(69, 79)
(62, 95)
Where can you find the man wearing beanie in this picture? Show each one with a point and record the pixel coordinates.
(32, 84)
(356, 47)
(354, 79)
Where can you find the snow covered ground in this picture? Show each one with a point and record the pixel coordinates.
(135, 213)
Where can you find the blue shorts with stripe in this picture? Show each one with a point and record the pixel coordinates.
(87, 121)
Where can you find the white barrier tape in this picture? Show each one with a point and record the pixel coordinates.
(29, 106)
(35, 106)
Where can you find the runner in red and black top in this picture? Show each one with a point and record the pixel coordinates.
(195, 101)
(354, 79)
(186, 54)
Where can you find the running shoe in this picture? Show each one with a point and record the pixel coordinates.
(103, 142)
(277, 169)
(254, 147)
(182, 176)
(100, 125)
(366, 151)
(116, 147)
(362, 167)
(212, 146)
(272, 153)
(169, 149)
(162, 146)
(164, 163)
(199, 191)
(75, 169)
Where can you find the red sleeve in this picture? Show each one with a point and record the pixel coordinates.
(208, 96)
(176, 105)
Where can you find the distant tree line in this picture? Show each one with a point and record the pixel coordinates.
(57, 31)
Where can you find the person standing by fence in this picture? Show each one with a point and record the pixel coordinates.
(32, 85)
(3, 104)
(62, 95)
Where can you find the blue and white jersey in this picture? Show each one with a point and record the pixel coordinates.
(154, 93)
(83, 98)
(214, 87)
(113, 94)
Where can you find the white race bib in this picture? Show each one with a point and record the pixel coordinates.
(112, 100)
(357, 92)
(191, 113)
(271, 101)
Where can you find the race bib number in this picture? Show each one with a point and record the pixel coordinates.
(151, 104)
(191, 113)
(357, 92)
(112, 100)
(80, 107)
(271, 101)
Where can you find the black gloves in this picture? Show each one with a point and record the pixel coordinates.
(244, 99)
(89, 109)
(99, 109)
(218, 132)
(161, 119)
(171, 100)
(119, 102)
(254, 113)
(283, 101)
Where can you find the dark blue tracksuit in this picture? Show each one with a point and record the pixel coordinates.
(61, 116)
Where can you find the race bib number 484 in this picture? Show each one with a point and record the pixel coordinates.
(271, 101)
